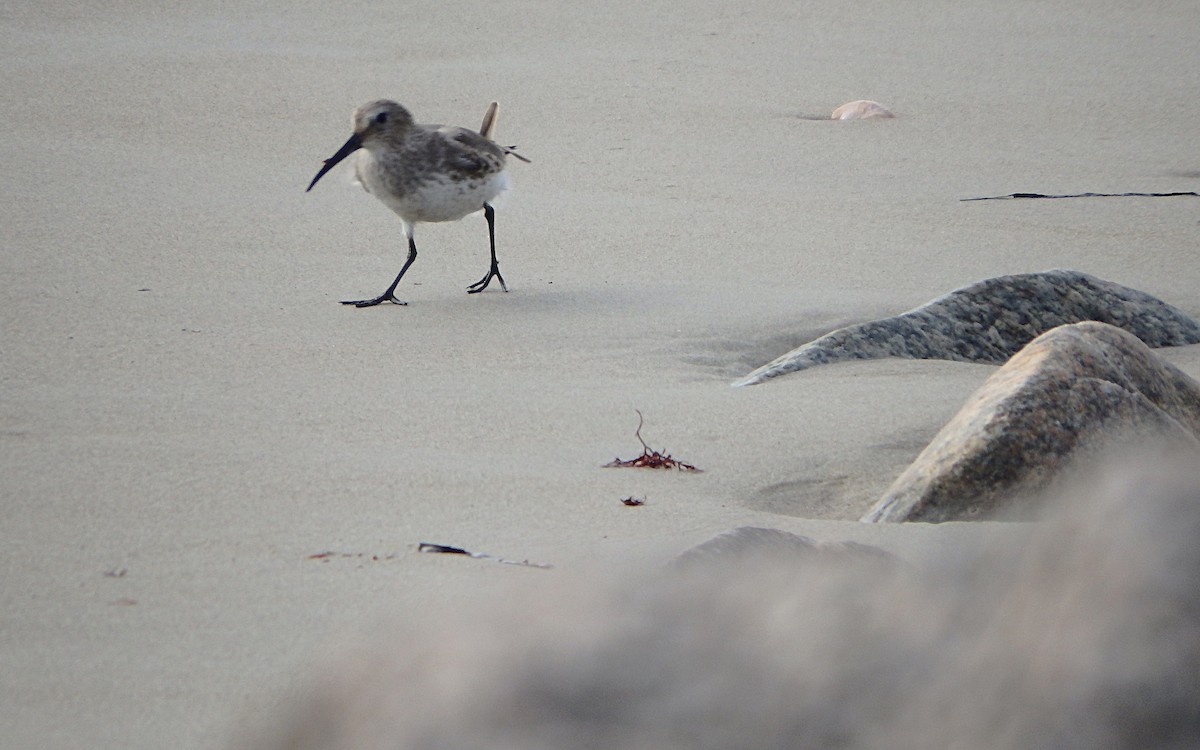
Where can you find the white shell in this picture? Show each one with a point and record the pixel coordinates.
(861, 109)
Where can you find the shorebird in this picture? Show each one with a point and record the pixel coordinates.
(426, 173)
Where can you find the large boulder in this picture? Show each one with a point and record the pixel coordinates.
(991, 320)
(1068, 395)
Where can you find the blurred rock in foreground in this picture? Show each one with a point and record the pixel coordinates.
(746, 543)
(1079, 632)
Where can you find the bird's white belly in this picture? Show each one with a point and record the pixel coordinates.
(434, 198)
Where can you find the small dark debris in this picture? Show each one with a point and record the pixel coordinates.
(1012, 196)
(325, 556)
(442, 548)
(448, 550)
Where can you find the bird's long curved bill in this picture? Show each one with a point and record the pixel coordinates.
(353, 144)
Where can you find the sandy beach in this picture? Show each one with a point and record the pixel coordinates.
(189, 416)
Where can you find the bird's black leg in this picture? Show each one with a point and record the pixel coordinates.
(482, 284)
(390, 294)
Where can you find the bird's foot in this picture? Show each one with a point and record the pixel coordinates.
(389, 297)
(482, 284)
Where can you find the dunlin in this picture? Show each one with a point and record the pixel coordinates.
(426, 173)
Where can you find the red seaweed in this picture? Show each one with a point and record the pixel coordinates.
(650, 459)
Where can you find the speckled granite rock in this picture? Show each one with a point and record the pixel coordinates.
(1070, 393)
(991, 320)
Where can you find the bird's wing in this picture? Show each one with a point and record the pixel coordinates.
(466, 152)
(469, 151)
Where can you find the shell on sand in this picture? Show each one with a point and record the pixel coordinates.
(862, 109)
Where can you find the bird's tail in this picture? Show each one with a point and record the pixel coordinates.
(489, 125)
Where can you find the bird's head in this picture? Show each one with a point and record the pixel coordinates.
(374, 122)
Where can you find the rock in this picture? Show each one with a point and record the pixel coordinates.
(1078, 633)
(1068, 395)
(862, 109)
(991, 320)
(753, 543)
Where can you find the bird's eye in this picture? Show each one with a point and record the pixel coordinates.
(381, 118)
